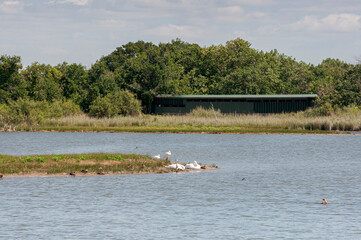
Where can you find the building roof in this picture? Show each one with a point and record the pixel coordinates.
(240, 96)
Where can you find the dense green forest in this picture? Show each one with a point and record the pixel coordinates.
(125, 81)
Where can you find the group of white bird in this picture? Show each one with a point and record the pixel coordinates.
(178, 166)
(166, 156)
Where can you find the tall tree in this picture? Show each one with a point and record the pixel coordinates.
(43, 82)
(12, 86)
(73, 82)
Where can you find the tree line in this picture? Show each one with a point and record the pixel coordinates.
(127, 80)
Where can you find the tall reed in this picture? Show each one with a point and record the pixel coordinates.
(345, 122)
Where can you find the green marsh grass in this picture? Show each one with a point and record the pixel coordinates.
(94, 162)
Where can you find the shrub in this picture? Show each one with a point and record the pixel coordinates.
(120, 102)
(4, 114)
(350, 110)
(63, 109)
(328, 110)
(201, 112)
(28, 111)
(35, 112)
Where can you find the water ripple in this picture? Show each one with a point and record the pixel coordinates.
(286, 177)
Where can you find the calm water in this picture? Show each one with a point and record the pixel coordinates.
(286, 178)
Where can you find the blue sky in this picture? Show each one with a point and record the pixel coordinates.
(81, 31)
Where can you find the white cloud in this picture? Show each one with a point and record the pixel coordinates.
(233, 10)
(11, 6)
(75, 2)
(114, 24)
(174, 31)
(254, 2)
(170, 4)
(236, 14)
(334, 22)
(268, 30)
(54, 51)
(230, 14)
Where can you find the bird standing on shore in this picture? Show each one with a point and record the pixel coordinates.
(167, 155)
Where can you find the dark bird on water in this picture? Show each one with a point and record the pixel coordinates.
(1, 176)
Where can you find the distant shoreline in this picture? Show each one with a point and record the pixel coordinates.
(207, 122)
(193, 131)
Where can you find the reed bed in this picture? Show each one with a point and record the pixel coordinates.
(95, 163)
(291, 121)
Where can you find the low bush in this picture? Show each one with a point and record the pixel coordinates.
(117, 103)
(35, 112)
(202, 112)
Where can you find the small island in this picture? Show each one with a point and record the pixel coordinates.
(75, 165)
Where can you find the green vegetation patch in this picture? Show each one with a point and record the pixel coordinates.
(309, 129)
(94, 163)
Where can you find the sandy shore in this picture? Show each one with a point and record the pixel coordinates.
(205, 132)
(79, 174)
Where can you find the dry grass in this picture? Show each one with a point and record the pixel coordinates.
(346, 122)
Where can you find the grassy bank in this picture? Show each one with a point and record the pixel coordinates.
(203, 123)
(92, 164)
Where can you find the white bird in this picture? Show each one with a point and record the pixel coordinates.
(167, 155)
(193, 165)
(176, 166)
(156, 156)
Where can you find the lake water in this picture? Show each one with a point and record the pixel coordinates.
(286, 177)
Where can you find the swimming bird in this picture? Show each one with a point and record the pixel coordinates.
(167, 155)
(324, 201)
(156, 156)
(194, 166)
(1, 176)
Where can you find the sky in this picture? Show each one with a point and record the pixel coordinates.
(82, 31)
